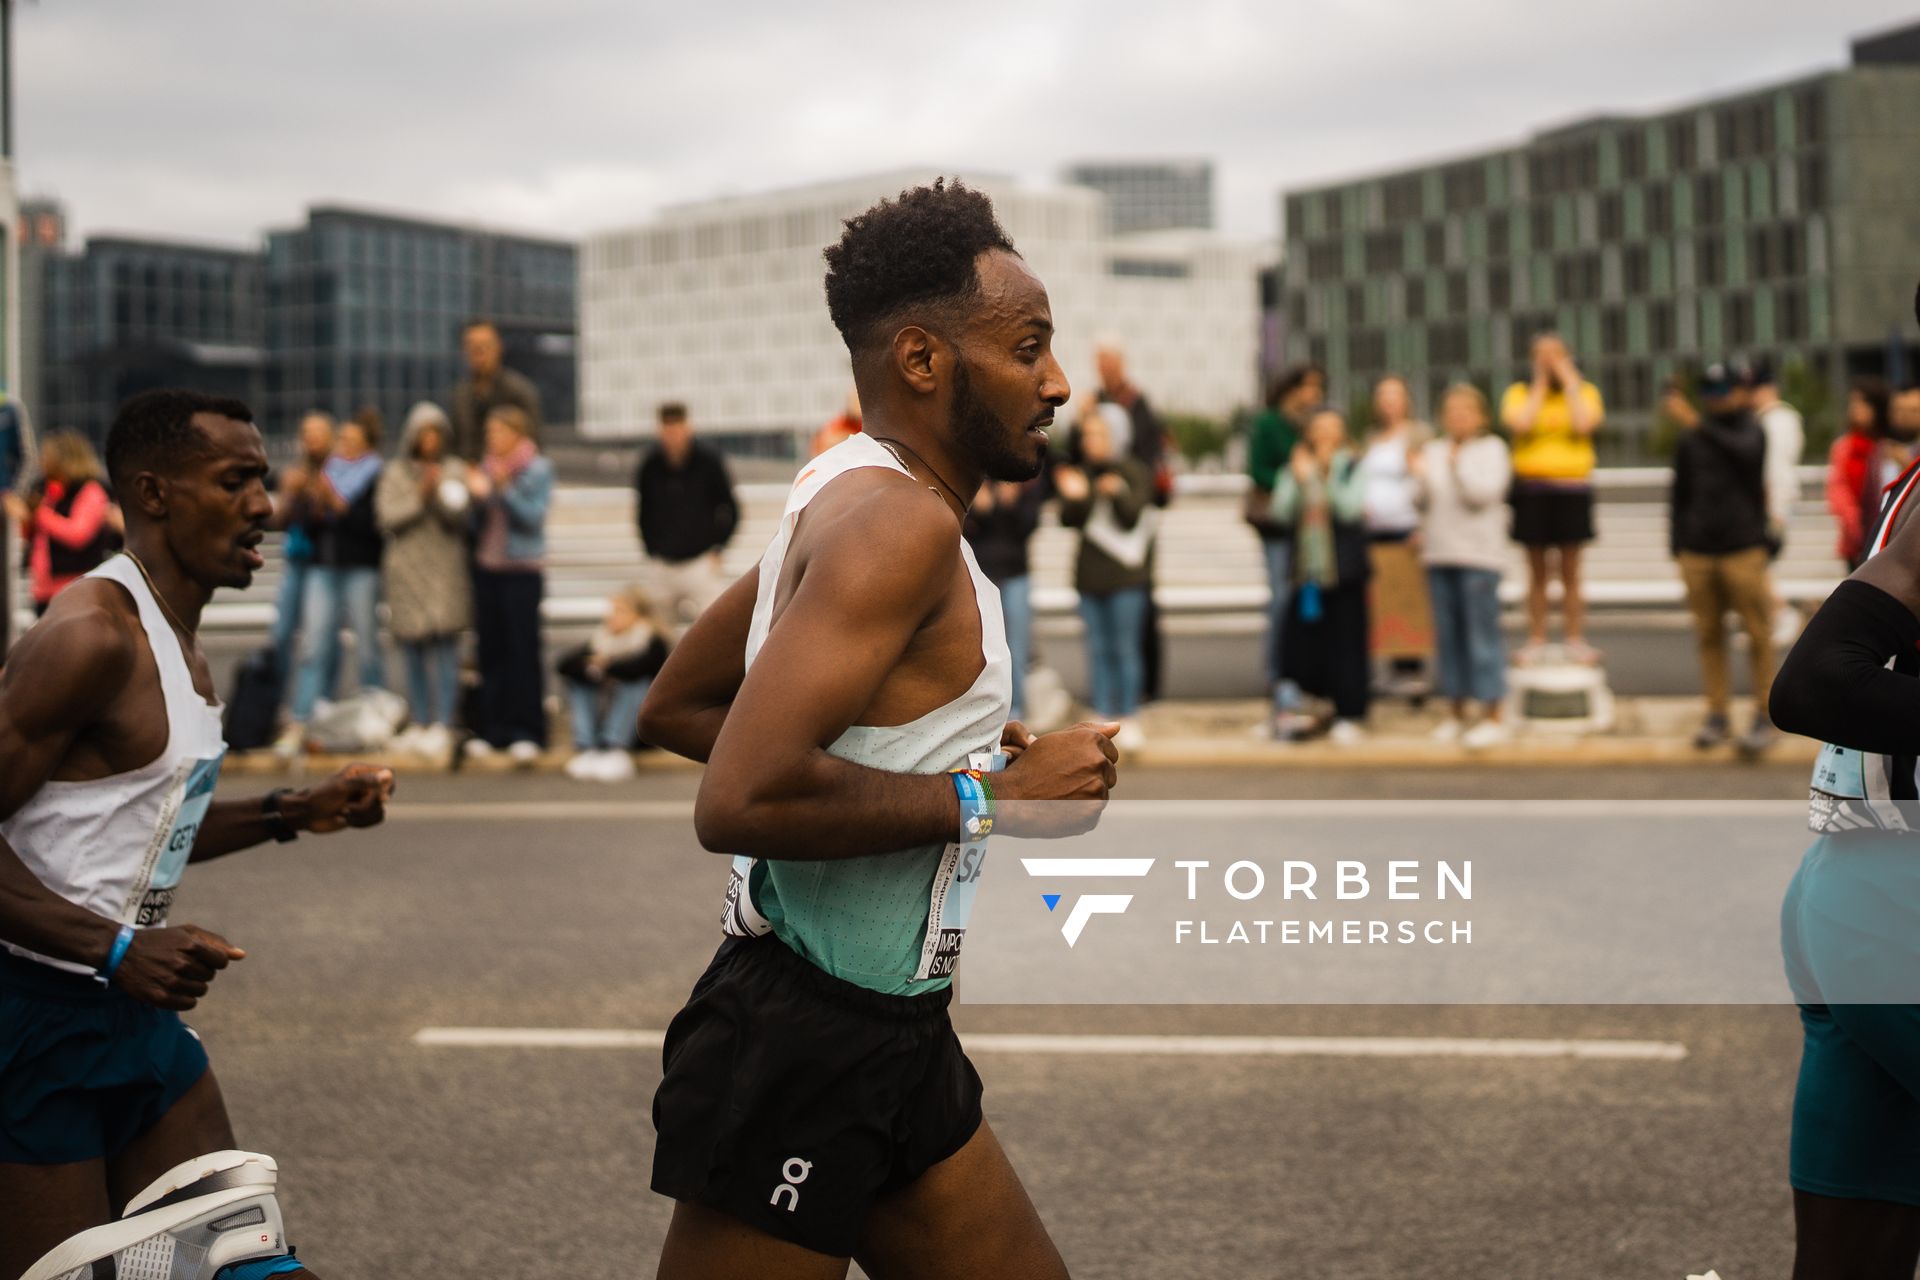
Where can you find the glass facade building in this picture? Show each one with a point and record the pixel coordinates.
(1777, 222)
(366, 308)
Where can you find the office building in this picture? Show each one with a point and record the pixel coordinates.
(1144, 195)
(1778, 221)
(125, 315)
(720, 305)
(367, 308)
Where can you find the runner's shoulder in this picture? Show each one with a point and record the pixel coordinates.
(876, 515)
(86, 644)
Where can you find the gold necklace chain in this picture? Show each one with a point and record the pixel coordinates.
(888, 443)
(158, 598)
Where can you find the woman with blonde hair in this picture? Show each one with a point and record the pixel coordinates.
(68, 522)
(607, 679)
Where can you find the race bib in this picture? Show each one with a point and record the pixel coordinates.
(173, 840)
(1851, 792)
(955, 884)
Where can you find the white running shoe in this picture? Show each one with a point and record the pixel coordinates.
(195, 1219)
(1488, 733)
(436, 742)
(614, 766)
(479, 749)
(583, 766)
(1448, 730)
(523, 752)
(291, 742)
(406, 742)
(1347, 733)
(1131, 737)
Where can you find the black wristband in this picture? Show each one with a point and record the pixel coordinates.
(277, 825)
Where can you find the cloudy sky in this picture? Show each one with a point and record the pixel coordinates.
(215, 120)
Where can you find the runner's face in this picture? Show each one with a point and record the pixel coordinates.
(1006, 382)
(217, 504)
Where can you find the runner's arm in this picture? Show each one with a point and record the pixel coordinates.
(58, 680)
(688, 700)
(771, 788)
(354, 797)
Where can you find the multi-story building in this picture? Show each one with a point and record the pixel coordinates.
(367, 308)
(1775, 222)
(127, 315)
(720, 304)
(1150, 195)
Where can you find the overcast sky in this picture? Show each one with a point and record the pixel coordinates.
(216, 120)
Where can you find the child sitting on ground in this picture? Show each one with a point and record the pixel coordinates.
(607, 680)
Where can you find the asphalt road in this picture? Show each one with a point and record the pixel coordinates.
(483, 903)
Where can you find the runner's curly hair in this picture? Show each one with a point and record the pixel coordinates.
(915, 253)
(154, 431)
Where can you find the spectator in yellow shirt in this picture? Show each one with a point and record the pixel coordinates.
(1553, 420)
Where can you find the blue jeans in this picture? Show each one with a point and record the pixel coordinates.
(331, 594)
(1279, 552)
(1115, 665)
(1016, 605)
(614, 729)
(1466, 632)
(288, 605)
(433, 678)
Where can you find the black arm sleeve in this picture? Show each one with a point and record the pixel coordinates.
(1835, 684)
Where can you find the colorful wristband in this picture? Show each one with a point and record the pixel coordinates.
(976, 805)
(121, 942)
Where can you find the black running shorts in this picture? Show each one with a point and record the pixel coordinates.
(794, 1100)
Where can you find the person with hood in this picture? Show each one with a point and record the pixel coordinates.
(422, 503)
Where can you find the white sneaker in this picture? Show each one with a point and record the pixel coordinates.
(583, 766)
(479, 749)
(407, 742)
(1131, 737)
(614, 766)
(523, 752)
(1448, 730)
(1347, 733)
(436, 741)
(291, 742)
(1488, 733)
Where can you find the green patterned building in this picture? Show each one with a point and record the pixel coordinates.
(1781, 222)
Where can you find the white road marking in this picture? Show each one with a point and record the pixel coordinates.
(1121, 1045)
(1167, 810)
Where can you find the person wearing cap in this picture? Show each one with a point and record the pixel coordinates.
(1718, 534)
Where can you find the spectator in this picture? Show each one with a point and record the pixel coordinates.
(839, 428)
(13, 457)
(607, 680)
(343, 582)
(295, 510)
(1401, 614)
(512, 489)
(67, 523)
(1553, 419)
(1462, 481)
(1850, 466)
(1896, 446)
(1107, 494)
(1718, 532)
(422, 504)
(1786, 441)
(1290, 402)
(1146, 439)
(999, 525)
(687, 513)
(1322, 496)
(489, 385)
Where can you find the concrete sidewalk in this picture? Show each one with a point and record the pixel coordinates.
(1229, 733)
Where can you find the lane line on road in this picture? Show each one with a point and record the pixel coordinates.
(605, 810)
(1122, 1045)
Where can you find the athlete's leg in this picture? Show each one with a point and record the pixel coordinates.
(193, 1126)
(43, 1204)
(705, 1244)
(966, 1216)
(1836, 1239)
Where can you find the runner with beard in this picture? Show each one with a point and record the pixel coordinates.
(850, 700)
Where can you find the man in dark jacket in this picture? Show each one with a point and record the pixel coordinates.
(1718, 533)
(687, 513)
(489, 385)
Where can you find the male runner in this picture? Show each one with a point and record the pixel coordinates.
(110, 733)
(816, 1104)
